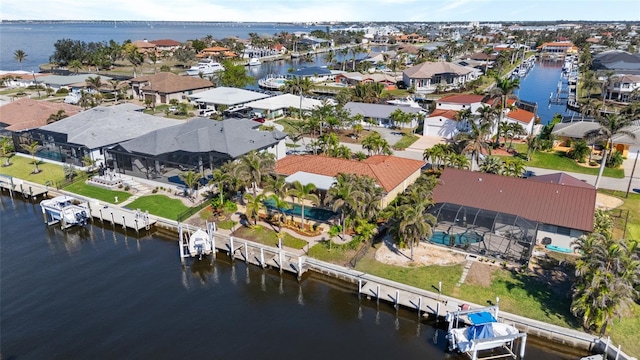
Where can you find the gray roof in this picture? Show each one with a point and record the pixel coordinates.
(322, 182)
(227, 96)
(286, 101)
(234, 137)
(102, 126)
(617, 60)
(66, 80)
(378, 111)
(577, 130)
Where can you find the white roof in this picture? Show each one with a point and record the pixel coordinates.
(227, 96)
(322, 182)
(285, 101)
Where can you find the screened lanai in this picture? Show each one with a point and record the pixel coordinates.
(484, 232)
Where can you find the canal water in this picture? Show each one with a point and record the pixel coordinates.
(98, 293)
(540, 82)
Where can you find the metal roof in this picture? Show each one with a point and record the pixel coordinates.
(227, 96)
(65, 80)
(546, 202)
(322, 182)
(285, 101)
(378, 111)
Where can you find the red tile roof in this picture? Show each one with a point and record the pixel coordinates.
(522, 116)
(549, 203)
(389, 171)
(462, 99)
(449, 114)
(165, 42)
(25, 114)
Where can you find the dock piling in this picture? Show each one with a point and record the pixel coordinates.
(378, 293)
(231, 252)
(262, 257)
(299, 267)
(246, 252)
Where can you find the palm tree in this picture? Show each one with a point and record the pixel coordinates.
(114, 85)
(191, 179)
(6, 149)
(611, 125)
(341, 196)
(75, 65)
(533, 145)
(253, 206)
(491, 165)
(253, 165)
(19, 55)
(476, 142)
(607, 275)
(589, 82)
(505, 88)
(304, 193)
(281, 204)
(299, 85)
(32, 149)
(94, 82)
(59, 115)
(412, 224)
(220, 177)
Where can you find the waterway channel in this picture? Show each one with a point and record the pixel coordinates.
(98, 293)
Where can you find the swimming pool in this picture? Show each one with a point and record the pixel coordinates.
(309, 211)
(469, 237)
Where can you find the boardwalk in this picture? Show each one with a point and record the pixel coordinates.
(28, 191)
(126, 218)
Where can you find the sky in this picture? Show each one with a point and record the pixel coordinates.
(322, 10)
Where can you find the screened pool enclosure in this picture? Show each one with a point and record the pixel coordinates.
(484, 232)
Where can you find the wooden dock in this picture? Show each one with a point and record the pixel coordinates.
(408, 299)
(28, 191)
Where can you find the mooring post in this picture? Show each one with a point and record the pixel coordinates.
(299, 267)
(213, 246)
(523, 344)
(113, 222)
(359, 286)
(262, 257)
(437, 310)
(180, 243)
(101, 218)
(618, 352)
(439, 289)
(246, 252)
(280, 259)
(137, 231)
(44, 216)
(397, 298)
(378, 293)
(419, 305)
(231, 247)
(124, 223)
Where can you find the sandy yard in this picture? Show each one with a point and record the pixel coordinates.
(424, 254)
(607, 202)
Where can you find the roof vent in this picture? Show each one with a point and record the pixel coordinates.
(479, 179)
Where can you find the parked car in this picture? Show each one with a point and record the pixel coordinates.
(173, 109)
(259, 119)
(206, 112)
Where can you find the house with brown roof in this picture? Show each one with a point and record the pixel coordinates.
(523, 117)
(144, 46)
(26, 114)
(504, 217)
(557, 49)
(166, 45)
(162, 87)
(216, 52)
(393, 174)
(428, 76)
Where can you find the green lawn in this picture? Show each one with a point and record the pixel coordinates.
(406, 141)
(22, 168)
(159, 205)
(290, 125)
(625, 332)
(423, 277)
(95, 192)
(558, 161)
(632, 204)
(268, 237)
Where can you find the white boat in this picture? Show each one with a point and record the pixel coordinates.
(199, 243)
(481, 331)
(64, 210)
(254, 61)
(205, 67)
(408, 101)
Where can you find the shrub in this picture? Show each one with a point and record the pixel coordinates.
(62, 91)
(615, 160)
(155, 190)
(126, 188)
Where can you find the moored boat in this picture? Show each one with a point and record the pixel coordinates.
(64, 210)
(205, 68)
(254, 61)
(199, 243)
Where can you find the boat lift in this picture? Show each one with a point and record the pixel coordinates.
(481, 316)
(196, 243)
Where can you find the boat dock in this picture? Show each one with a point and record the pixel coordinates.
(132, 219)
(28, 191)
(247, 251)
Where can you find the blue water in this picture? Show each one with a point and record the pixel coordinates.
(442, 238)
(538, 84)
(310, 212)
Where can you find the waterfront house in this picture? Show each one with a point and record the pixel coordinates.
(622, 62)
(145, 47)
(557, 49)
(197, 144)
(524, 118)
(73, 83)
(278, 106)
(91, 132)
(429, 76)
(222, 98)
(623, 88)
(380, 114)
(165, 86)
(504, 217)
(393, 174)
(20, 79)
(443, 121)
(216, 52)
(168, 45)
